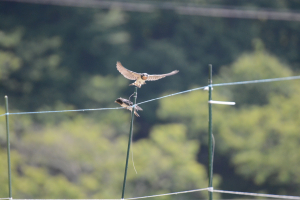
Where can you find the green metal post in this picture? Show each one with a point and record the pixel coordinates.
(210, 144)
(8, 146)
(129, 143)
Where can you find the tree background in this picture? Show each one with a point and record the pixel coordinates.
(64, 57)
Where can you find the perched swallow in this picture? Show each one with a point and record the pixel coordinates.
(141, 78)
(126, 103)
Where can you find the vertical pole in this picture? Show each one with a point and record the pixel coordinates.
(129, 143)
(8, 146)
(210, 144)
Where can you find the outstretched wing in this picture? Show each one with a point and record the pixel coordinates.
(127, 73)
(155, 77)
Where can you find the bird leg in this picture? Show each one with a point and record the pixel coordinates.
(130, 96)
(135, 93)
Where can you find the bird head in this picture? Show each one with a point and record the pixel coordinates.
(144, 76)
(119, 100)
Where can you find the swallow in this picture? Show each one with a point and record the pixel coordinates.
(141, 78)
(126, 104)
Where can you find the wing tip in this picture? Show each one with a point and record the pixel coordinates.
(138, 108)
(172, 73)
(118, 64)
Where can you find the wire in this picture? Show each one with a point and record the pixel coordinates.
(166, 194)
(258, 194)
(259, 81)
(222, 191)
(60, 111)
(188, 191)
(197, 190)
(182, 92)
(66, 199)
(188, 9)
(199, 88)
(226, 84)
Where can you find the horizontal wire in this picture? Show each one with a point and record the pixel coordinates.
(67, 199)
(258, 194)
(60, 111)
(158, 195)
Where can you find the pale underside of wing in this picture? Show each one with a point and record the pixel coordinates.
(127, 73)
(155, 77)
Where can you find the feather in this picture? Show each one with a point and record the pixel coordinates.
(155, 77)
(127, 73)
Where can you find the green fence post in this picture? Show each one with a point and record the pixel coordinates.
(8, 145)
(129, 143)
(210, 144)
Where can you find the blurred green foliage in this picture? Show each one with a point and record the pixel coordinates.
(258, 137)
(82, 159)
(58, 58)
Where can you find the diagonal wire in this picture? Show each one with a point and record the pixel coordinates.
(226, 84)
(199, 88)
(259, 81)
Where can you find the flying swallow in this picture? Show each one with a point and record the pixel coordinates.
(141, 78)
(126, 103)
